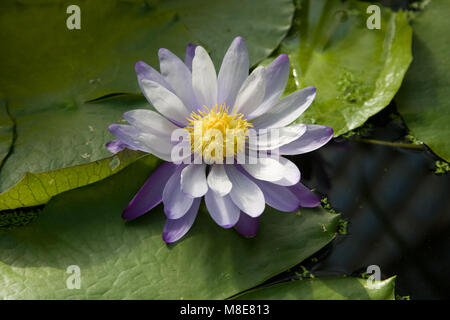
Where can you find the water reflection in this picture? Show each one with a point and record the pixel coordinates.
(399, 212)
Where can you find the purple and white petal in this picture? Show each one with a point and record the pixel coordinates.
(279, 197)
(150, 121)
(292, 174)
(144, 71)
(190, 53)
(286, 110)
(175, 229)
(245, 193)
(193, 180)
(166, 102)
(115, 146)
(222, 209)
(277, 170)
(315, 137)
(277, 74)
(251, 93)
(179, 77)
(150, 195)
(129, 135)
(233, 72)
(270, 139)
(204, 79)
(268, 169)
(306, 197)
(176, 202)
(246, 225)
(218, 180)
(147, 142)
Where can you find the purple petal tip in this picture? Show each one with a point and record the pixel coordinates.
(280, 61)
(115, 146)
(112, 127)
(125, 214)
(140, 66)
(167, 238)
(239, 41)
(330, 130)
(283, 57)
(163, 52)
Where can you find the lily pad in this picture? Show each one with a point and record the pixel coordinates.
(6, 131)
(344, 288)
(356, 70)
(424, 98)
(48, 72)
(38, 188)
(129, 260)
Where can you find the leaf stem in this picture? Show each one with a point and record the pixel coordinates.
(392, 144)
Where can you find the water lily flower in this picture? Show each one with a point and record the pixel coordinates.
(191, 95)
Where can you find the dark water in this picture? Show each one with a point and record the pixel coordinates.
(397, 207)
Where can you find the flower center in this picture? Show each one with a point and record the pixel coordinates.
(216, 133)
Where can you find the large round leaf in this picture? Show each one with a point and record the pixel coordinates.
(38, 188)
(47, 71)
(124, 260)
(64, 136)
(424, 98)
(356, 70)
(326, 289)
(6, 131)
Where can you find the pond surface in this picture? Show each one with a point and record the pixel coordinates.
(397, 207)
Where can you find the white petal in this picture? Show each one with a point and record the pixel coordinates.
(233, 72)
(179, 77)
(128, 135)
(176, 202)
(222, 209)
(144, 71)
(291, 173)
(190, 53)
(159, 146)
(251, 93)
(279, 171)
(193, 180)
(204, 79)
(175, 229)
(277, 74)
(276, 137)
(245, 193)
(150, 121)
(287, 110)
(166, 102)
(315, 137)
(267, 169)
(218, 180)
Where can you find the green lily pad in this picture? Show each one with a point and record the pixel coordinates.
(48, 72)
(356, 70)
(74, 136)
(424, 98)
(129, 260)
(38, 188)
(6, 131)
(345, 288)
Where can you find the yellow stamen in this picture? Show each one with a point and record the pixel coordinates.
(216, 134)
